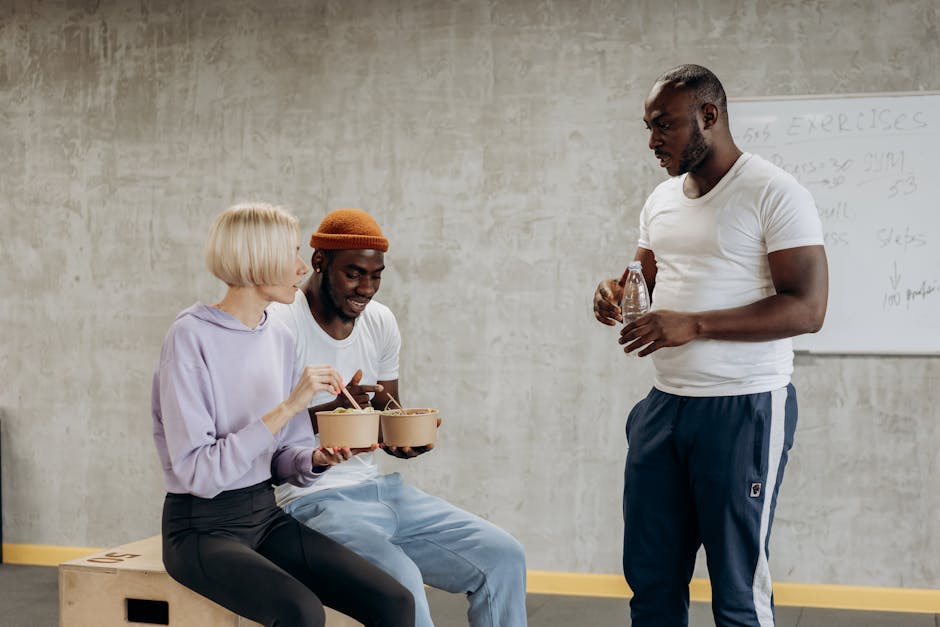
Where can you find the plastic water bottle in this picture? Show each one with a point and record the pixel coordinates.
(636, 297)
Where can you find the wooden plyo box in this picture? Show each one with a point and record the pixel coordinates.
(128, 585)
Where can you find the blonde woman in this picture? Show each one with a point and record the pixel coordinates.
(230, 419)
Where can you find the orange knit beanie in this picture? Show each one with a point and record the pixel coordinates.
(349, 229)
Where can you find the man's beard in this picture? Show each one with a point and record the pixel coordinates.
(695, 151)
(325, 290)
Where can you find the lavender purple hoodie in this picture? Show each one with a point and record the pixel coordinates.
(216, 379)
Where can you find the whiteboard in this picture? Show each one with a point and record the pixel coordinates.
(872, 162)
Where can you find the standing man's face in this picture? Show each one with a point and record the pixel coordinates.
(350, 279)
(675, 134)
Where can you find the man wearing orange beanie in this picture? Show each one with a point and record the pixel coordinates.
(417, 538)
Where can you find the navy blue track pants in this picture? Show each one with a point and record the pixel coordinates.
(704, 471)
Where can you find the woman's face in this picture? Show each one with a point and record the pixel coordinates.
(287, 285)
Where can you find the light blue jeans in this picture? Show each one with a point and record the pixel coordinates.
(418, 539)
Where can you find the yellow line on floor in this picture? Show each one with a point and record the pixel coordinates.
(833, 596)
(613, 586)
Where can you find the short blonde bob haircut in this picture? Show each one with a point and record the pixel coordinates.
(252, 244)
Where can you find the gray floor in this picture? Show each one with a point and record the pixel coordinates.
(29, 598)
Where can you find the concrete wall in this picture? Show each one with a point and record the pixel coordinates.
(500, 145)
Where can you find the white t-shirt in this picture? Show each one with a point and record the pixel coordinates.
(373, 347)
(711, 253)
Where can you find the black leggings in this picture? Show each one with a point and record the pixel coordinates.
(243, 552)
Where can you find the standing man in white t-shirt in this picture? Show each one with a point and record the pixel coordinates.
(417, 538)
(732, 250)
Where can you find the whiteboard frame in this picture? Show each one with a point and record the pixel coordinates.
(892, 94)
(860, 94)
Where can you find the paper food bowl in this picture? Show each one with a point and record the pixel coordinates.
(409, 427)
(350, 428)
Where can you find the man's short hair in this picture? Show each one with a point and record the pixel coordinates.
(699, 81)
(252, 244)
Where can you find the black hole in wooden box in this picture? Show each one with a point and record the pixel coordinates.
(145, 611)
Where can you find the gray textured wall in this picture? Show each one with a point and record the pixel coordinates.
(500, 145)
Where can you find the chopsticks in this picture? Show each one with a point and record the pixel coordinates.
(351, 399)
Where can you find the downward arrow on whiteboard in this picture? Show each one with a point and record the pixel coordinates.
(895, 278)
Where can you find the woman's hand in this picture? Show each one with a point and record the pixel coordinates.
(337, 455)
(331, 456)
(313, 379)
